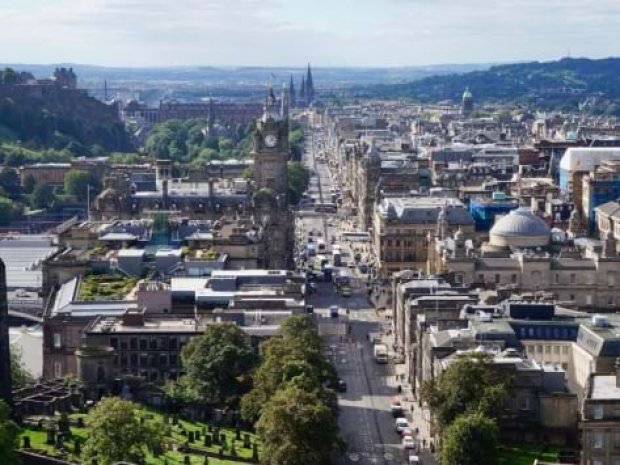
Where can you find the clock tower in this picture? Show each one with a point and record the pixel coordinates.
(270, 200)
(270, 148)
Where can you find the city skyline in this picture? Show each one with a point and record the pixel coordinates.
(278, 33)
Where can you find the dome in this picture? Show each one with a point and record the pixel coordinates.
(520, 228)
(467, 95)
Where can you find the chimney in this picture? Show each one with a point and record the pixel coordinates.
(133, 317)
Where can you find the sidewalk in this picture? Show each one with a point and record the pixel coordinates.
(418, 417)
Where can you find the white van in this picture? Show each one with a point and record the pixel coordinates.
(414, 460)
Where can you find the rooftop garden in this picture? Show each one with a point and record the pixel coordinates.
(105, 287)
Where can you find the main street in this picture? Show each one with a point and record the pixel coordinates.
(366, 423)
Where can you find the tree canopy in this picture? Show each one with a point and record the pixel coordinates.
(472, 439)
(43, 196)
(469, 384)
(297, 428)
(77, 182)
(118, 430)
(20, 375)
(298, 180)
(9, 436)
(218, 364)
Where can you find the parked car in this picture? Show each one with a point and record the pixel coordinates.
(414, 460)
(397, 409)
(400, 424)
(408, 442)
(341, 385)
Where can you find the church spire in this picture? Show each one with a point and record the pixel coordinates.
(291, 93)
(302, 93)
(309, 87)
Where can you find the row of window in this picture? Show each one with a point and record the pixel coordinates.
(146, 360)
(547, 349)
(148, 343)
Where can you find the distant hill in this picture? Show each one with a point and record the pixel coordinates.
(48, 116)
(565, 84)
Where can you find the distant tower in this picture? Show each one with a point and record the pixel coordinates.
(284, 102)
(291, 93)
(309, 87)
(302, 93)
(467, 104)
(6, 384)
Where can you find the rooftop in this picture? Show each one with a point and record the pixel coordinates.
(604, 388)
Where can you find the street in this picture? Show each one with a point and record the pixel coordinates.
(366, 423)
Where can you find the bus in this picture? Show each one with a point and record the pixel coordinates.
(356, 236)
(325, 208)
(337, 257)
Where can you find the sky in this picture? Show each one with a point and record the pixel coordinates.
(292, 32)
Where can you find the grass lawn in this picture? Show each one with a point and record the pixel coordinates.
(105, 286)
(525, 454)
(171, 457)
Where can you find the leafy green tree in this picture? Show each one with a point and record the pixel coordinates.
(218, 364)
(298, 180)
(297, 428)
(9, 437)
(295, 353)
(8, 211)
(15, 159)
(20, 375)
(472, 439)
(29, 184)
(10, 182)
(77, 183)
(118, 430)
(43, 196)
(469, 384)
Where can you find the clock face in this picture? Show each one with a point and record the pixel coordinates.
(271, 140)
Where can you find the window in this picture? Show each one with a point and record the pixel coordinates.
(573, 278)
(513, 278)
(57, 369)
(588, 299)
(480, 278)
(557, 278)
(57, 341)
(571, 297)
(458, 278)
(143, 344)
(597, 440)
(597, 412)
(610, 300)
(524, 403)
(539, 349)
(133, 343)
(498, 279)
(556, 350)
(547, 349)
(564, 366)
(616, 444)
(124, 344)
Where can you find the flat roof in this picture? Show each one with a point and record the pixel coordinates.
(604, 388)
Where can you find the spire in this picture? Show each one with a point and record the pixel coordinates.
(309, 87)
(284, 101)
(291, 93)
(302, 93)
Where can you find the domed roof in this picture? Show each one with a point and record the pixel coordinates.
(521, 228)
(467, 94)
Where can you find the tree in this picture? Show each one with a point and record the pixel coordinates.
(469, 384)
(10, 182)
(297, 352)
(297, 428)
(118, 430)
(298, 180)
(20, 375)
(9, 436)
(472, 439)
(77, 183)
(29, 184)
(218, 364)
(7, 211)
(43, 196)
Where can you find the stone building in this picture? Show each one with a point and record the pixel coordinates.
(402, 228)
(525, 255)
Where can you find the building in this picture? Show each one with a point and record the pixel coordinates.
(523, 254)
(600, 419)
(485, 211)
(600, 186)
(467, 103)
(402, 227)
(6, 385)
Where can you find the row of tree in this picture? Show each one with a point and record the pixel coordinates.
(467, 399)
(292, 404)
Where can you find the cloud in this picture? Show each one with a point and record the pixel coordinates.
(328, 32)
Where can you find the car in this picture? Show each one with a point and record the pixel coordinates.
(351, 265)
(395, 407)
(408, 442)
(334, 311)
(400, 424)
(413, 460)
(408, 432)
(341, 385)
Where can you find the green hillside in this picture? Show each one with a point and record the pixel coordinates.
(566, 84)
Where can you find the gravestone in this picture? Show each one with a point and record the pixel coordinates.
(207, 441)
(246, 441)
(51, 436)
(26, 442)
(255, 452)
